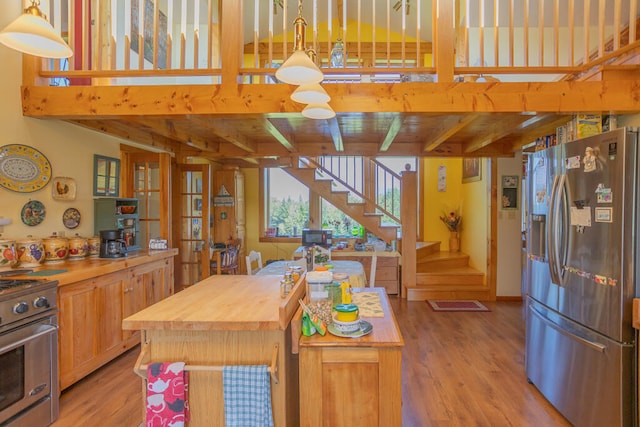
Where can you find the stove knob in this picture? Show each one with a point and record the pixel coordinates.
(21, 308)
(41, 302)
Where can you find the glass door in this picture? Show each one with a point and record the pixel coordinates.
(195, 224)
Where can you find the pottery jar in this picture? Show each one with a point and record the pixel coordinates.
(94, 245)
(78, 247)
(56, 249)
(8, 253)
(30, 252)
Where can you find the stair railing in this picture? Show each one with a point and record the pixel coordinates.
(366, 180)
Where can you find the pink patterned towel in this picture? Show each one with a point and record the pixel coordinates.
(167, 395)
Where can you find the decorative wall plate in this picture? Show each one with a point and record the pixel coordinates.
(63, 188)
(71, 218)
(33, 212)
(23, 169)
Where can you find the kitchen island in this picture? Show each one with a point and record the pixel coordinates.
(354, 381)
(225, 321)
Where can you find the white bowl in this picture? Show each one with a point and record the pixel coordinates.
(346, 327)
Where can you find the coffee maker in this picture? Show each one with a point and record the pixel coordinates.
(112, 245)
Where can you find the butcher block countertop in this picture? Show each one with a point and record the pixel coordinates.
(90, 267)
(231, 303)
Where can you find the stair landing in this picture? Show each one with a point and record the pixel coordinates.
(445, 275)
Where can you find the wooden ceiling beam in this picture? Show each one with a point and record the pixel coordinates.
(503, 128)
(137, 136)
(394, 128)
(170, 129)
(448, 132)
(91, 102)
(336, 135)
(286, 140)
(224, 130)
(539, 131)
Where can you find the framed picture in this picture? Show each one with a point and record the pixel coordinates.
(197, 204)
(63, 188)
(509, 192)
(471, 170)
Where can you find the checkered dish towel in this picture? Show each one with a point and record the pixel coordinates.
(247, 396)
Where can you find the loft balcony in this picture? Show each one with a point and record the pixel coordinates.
(478, 78)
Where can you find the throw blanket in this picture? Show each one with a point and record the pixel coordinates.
(247, 396)
(166, 395)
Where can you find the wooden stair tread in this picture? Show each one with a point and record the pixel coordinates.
(436, 256)
(453, 271)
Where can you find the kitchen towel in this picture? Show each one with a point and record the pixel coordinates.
(247, 396)
(166, 395)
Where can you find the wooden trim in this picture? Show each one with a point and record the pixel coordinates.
(513, 298)
(492, 242)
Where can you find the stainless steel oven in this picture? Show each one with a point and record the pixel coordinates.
(28, 353)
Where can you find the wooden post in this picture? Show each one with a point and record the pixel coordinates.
(408, 213)
(444, 49)
(231, 43)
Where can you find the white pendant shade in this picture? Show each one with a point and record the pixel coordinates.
(299, 70)
(35, 36)
(310, 94)
(318, 111)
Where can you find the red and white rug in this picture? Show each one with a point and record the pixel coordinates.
(457, 305)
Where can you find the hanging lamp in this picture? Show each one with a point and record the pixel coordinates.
(299, 69)
(318, 111)
(31, 33)
(310, 94)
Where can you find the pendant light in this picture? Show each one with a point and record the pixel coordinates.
(318, 111)
(31, 33)
(299, 69)
(310, 94)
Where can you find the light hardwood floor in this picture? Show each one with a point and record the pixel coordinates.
(459, 369)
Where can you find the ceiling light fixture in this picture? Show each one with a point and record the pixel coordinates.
(318, 111)
(299, 69)
(310, 94)
(31, 33)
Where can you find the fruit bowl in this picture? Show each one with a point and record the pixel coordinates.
(127, 209)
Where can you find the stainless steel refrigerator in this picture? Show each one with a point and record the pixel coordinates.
(582, 253)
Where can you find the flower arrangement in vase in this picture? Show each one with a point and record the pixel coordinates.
(452, 221)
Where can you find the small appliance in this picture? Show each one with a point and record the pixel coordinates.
(312, 237)
(112, 245)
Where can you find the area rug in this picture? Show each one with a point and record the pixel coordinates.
(457, 305)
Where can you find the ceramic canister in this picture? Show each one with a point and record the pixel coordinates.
(94, 245)
(56, 248)
(30, 252)
(78, 247)
(8, 253)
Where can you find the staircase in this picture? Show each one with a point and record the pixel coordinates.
(445, 275)
(344, 197)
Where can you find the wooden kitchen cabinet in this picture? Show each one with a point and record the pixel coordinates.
(92, 310)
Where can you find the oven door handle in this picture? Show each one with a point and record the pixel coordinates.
(47, 329)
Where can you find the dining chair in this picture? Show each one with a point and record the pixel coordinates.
(226, 261)
(251, 258)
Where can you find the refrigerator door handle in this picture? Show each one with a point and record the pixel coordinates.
(593, 345)
(561, 219)
(552, 243)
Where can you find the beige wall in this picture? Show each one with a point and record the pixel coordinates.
(68, 148)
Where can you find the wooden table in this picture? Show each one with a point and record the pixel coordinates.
(225, 320)
(353, 381)
(354, 269)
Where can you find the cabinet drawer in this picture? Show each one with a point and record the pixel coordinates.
(386, 273)
(387, 261)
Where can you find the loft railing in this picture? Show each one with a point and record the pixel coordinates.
(118, 42)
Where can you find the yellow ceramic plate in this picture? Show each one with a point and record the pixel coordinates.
(23, 169)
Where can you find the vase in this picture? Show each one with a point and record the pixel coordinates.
(454, 242)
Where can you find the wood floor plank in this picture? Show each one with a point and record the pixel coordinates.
(459, 369)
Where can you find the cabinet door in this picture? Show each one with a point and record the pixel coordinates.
(133, 301)
(90, 332)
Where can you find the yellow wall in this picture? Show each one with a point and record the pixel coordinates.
(469, 199)
(475, 217)
(68, 148)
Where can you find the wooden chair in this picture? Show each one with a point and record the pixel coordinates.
(251, 258)
(226, 261)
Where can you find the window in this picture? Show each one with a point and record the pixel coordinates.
(106, 176)
(286, 203)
